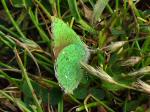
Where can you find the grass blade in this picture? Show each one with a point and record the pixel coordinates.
(98, 9)
(76, 15)
(41, 31)
(24, 73)
(12, 20)
(60, 105)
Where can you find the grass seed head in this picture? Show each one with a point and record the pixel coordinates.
(99, 72)
(142, 71)
(114, 46)
(131, 61)
(142, 85)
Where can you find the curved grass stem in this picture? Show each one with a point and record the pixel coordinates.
(24, 73)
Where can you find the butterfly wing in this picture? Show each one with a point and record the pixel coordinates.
(68, 68)
(63, 35)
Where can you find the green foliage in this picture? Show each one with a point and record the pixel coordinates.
(55, 96)
(43, 38)
(21, 3)
(80, 93)
(98, 9)
(98, 93)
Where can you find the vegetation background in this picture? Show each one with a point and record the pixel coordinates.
(116, 31)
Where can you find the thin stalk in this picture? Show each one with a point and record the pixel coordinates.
(109, 9)
(21, 17)
(46, 23)
(60, 105)
(93, 104)
(74, 9)
(71, 23)
(44, 9)
(74, 99)
(132, 5)
(135, 15)
(7, 77)
(98, 101)
(22, 106)
(58, 8)
(103, 104)
(49, 82)
(12, 20)
(125, 7)
(76, 15)
(25, 58)
(23, 46)
(117, 5)
(54, 8)
(24, 73)
(19, 103)
(41, 31)
(9, 31)
(86, 27)
(98, 10)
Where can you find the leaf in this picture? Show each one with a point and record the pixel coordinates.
(21, 3)
(55, 96)
(98, 93)
(131, 105)
(111, 87)
(63, 35)
(87, 11)
(98, 9)
(118, 32)
(68, 69)
(146, 44)
(38, 89)
(74, 9)
(75, 12)
(81, 92)
(42, 33)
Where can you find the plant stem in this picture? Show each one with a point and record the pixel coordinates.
(24, 73)
(76, 15)
(12, 20)
(93, 104)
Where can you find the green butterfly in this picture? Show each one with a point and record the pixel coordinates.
(69, 51)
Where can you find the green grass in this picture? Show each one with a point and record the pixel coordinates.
(117, 34)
